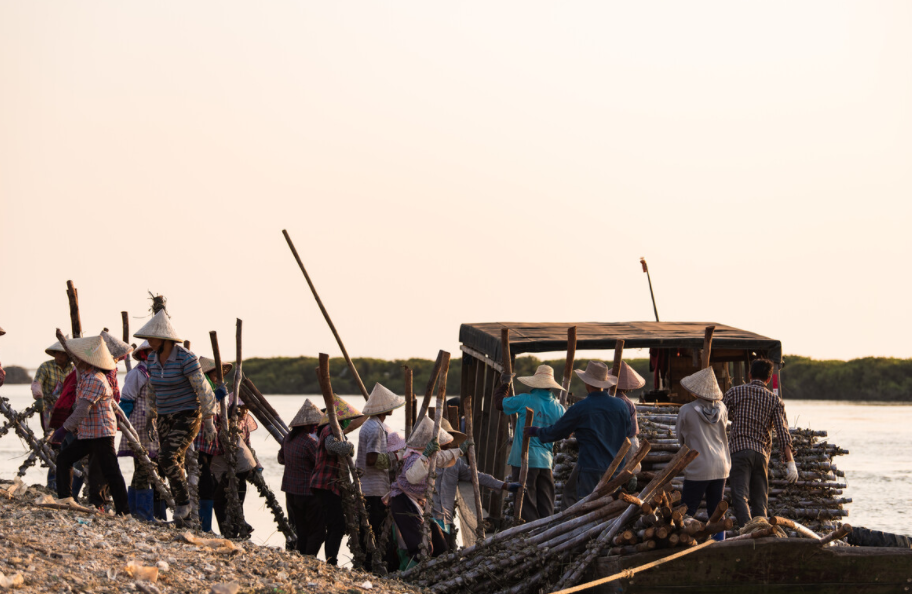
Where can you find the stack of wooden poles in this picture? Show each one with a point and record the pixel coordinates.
(815, 500)
(554, 552)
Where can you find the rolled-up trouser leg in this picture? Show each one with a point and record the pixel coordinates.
(175, 434)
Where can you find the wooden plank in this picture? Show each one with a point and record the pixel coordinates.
(481, 420)
(762, 566)
(466, 382)
(482, 357)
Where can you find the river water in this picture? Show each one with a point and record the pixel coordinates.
(878, 469)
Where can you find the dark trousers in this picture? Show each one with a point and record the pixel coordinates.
(306, 513)
(409, 522)
(207, 484)
(98, 486)
(376, 515)
(103, 450)
(587, 481)
(220, 505)
(569, 496)
(538, 500)
(694, 491)
(335, 523)
(749, 480)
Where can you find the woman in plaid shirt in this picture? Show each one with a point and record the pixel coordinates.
(93, 422)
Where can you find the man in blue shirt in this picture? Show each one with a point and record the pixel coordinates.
(538, 501)
(600, 423)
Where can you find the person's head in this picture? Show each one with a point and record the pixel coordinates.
(61, 359)
(159, 332)
(90, 354)
(381, 402)
(597, 377)
(761, 369)
(159, 344)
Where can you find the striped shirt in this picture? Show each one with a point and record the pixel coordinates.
(100, 421)
(372, 440)
(754, 411)
(179, 384)
(51, 377)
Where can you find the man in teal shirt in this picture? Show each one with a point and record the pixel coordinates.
(538, 501)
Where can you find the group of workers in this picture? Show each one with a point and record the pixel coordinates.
(171, 396)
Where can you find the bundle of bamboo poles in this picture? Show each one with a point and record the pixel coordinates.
(815, 500)
(553, 552)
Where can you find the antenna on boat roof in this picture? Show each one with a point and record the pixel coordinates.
(651, 293)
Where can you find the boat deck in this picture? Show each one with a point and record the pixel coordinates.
(768, 565)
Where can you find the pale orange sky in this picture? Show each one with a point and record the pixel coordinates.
(440, 163)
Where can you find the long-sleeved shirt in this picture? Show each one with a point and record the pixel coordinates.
(136, 390)
(754, 412)
(93, 417)
(547, 411)
(299, 456)
(50, 377)
(600, 422)
(701, 426)
(179, 384)
(447, 484)
(412, 481)
(328, 465)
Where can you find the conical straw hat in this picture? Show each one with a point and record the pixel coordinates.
(394, 441)
(159, 327)
(308, 414)
(344, 411)
(207, 365)
(629, 379)
(116, 347)
(445, 425)
(703, 384)
(382, 400)
(145, 346)
(421, 434)
(92, 350)
(543, 378)
(56, 348)
(597, 374)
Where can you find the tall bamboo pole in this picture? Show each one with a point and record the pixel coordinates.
(568, 365)
(432, 462)
(707, 345)
(332, 327)
(616, 366)
(473, 467)
(409, 400)
(429, 389)
(361, 509)
(73, 298)
(235, 511)
(651, 293)
(128, 360)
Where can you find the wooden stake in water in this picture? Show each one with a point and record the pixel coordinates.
(432, 462)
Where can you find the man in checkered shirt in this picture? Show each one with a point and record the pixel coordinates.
(754, 411)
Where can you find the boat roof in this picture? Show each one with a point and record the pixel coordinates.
(526, 337)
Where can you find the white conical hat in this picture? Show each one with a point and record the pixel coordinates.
(421, 434)
(92, 350)
(543, 378)
(56, 348)
(382, 400)
(629, 379)
(703, 384)
(207, 365)
(308, 414)
(159, 327)
(116, 347)
(145, 346)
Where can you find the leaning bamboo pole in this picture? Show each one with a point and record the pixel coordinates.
(235, 511)
(426, 547)
(568, 365)
(429, 389)
(473, 469)
(408, 378)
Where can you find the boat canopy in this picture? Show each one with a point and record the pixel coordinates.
(545, 337)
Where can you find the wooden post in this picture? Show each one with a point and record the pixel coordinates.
(187, 344)
(568, 365)
(429, 389)
(235, 513)
(523, 469)
(332, 327)
(501, 452)
(128, 360)
(409, 400)
(361, 510)
(453, 417)
(707, 345)
(75, 322)
(616, 367)
(651, 293)
(432, 462)
(473, 468)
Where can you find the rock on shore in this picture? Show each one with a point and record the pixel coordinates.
(50, 550)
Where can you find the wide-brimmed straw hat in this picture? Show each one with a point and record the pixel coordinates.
(423, 431)
(629, 379)
(543, 378)
(344, 411)
(207, 365)
(145, 346)
(597, 374)
(159, 327)
(116, 346)
(308, 414)
(703, 384)
(458, 436)
(92, 350)
(56, 347)
(382, 400)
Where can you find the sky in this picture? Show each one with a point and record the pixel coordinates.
(441, 163)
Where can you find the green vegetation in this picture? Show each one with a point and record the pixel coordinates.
(869, 379)
(17, 375)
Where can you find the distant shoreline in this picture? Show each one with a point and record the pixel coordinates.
(871, 379)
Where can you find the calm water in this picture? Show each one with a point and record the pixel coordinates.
(878, 469)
